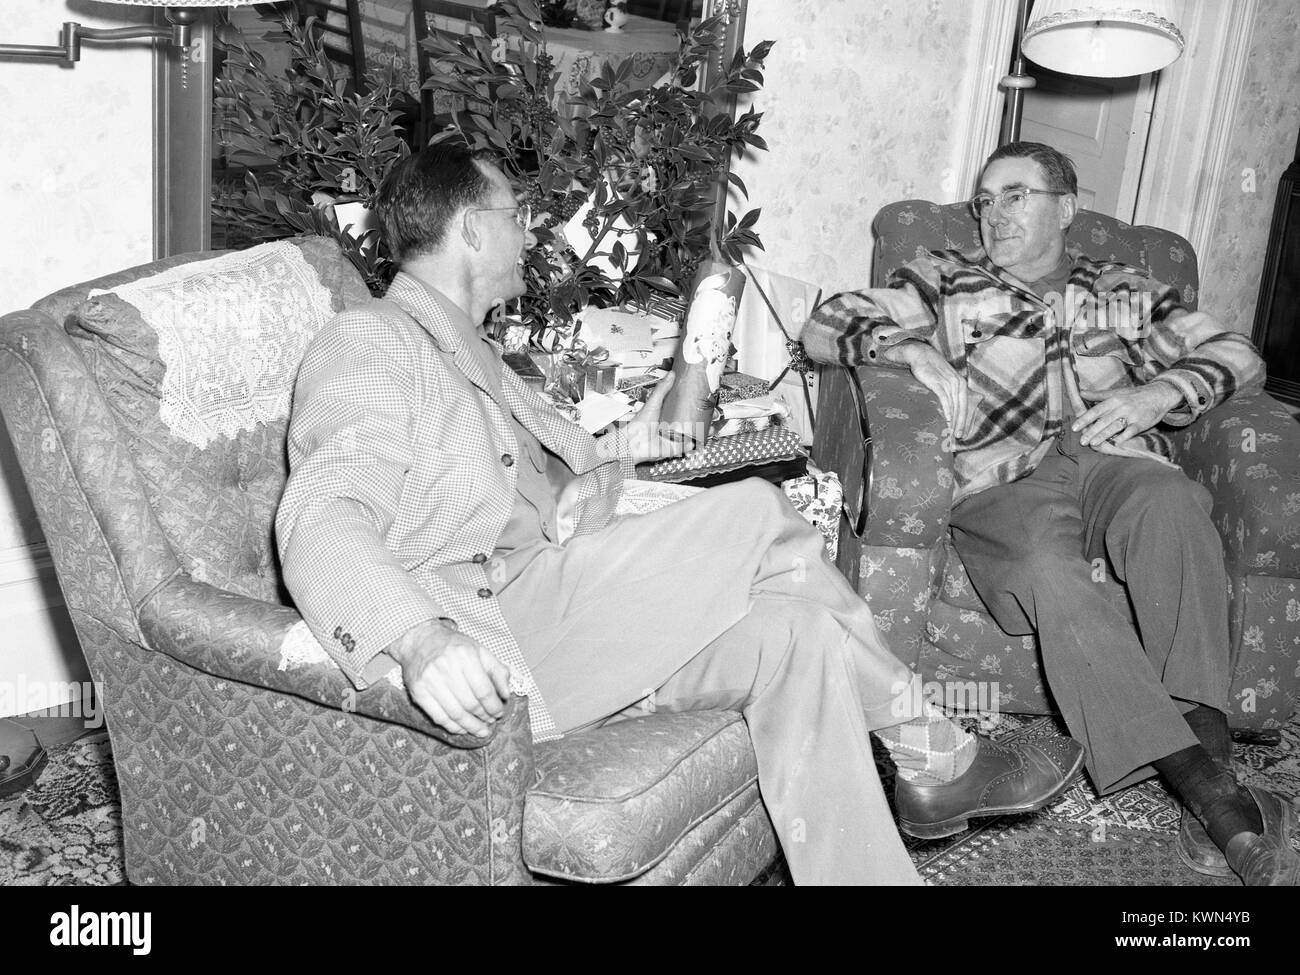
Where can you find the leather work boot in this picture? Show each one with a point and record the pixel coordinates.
(1004, 779)
(1269, 860)
(1197, 850)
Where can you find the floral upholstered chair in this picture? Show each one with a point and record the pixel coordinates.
(895, 544)
(149, 413)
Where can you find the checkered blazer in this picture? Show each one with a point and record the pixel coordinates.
(402, 478)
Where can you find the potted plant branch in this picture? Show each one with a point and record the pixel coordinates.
(305, 140)
(649, 162)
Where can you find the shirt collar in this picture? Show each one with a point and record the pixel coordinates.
(441, 317)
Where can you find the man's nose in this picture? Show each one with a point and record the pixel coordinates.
(994, 215)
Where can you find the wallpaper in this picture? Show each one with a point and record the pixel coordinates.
(860, 107)
(1263, 144)
(78, 152)
(77, 175)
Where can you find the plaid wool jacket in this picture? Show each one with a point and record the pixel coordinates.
(1115, 326)
(402, 478)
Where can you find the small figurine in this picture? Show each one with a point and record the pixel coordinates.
(616, 17)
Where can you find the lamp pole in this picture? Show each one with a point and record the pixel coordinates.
(1015, 83)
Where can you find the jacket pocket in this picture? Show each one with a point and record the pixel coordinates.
(1095, 342)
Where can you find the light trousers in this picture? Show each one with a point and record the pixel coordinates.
(726, 600)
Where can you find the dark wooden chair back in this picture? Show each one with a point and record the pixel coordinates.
(338, 23)
(423, 11)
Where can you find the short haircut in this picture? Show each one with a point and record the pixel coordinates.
(422, 194)
(1056, 166)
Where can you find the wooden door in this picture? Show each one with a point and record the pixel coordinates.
(1100, 123)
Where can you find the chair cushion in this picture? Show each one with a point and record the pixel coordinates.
(611, 802)
(956, 587)
(196, 359)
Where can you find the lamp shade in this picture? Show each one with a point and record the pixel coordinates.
(1103, 38)
(185, 3)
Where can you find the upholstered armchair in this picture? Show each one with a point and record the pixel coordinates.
(242, 753)
(895, 543)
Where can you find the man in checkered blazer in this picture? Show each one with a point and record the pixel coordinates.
(1053, 371)
(442, 517)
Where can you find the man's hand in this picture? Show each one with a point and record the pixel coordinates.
(1119, 417)
(931, 370)
(455, 681)
(646, 435)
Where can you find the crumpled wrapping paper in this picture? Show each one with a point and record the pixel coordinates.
(819, 497)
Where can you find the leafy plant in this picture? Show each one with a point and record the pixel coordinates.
(656, 159)
(305, 139)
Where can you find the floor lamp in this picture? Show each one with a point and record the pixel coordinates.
(1091, 39)
(181, 14)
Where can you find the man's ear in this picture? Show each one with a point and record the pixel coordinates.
(469, 229)
(1069, 209)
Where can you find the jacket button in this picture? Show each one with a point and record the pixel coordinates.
(485, 593)
(507, 460)
(479, 558)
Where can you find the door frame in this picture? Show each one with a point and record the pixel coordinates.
(1195, 113)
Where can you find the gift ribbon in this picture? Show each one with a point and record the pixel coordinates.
(580, 356)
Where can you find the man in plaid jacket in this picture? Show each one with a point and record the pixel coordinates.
(1053, 371)
(442, 517)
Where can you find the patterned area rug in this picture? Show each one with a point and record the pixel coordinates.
(1084, 840)
(67, 828)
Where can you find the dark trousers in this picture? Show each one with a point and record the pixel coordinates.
(1034, 550)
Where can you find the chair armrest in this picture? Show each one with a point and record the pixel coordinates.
(905, 477)
(239, 638)
(1247, 453)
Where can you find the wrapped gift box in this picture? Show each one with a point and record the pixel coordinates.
(772, 454)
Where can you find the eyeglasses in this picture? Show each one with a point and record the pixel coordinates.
(1011, 201)
(523, 214)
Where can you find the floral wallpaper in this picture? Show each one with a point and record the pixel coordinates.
(78, 152)
(861, 104)
(77, 174)
(1263, 144)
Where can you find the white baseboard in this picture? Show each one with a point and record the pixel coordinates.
(40, 659)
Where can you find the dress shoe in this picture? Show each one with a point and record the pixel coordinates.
(1197, 850)
(1268, 860)
(1004, 779)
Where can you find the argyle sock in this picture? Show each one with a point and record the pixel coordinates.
(931, 749)
(1211, 792)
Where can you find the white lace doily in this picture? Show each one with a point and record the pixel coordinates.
(231, 333)
(642, 497)
(299, 649)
